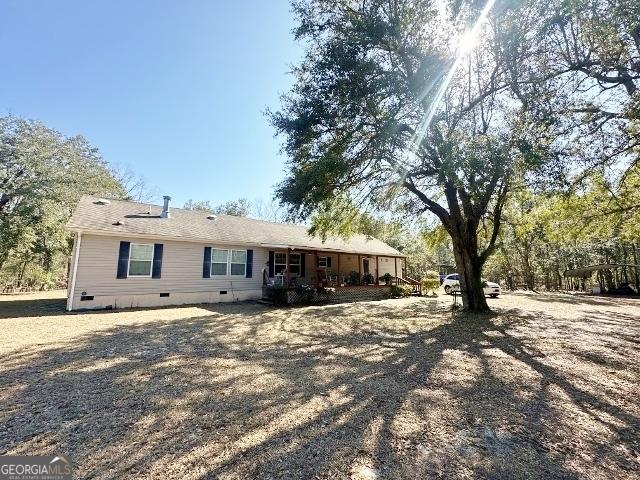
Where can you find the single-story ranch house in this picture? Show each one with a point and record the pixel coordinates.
(129, 254)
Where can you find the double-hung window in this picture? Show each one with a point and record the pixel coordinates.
(279, 263)
(322, 262)
(228, 262)
(219, 262)
(294, 263)
(238, 262)
(140, 260)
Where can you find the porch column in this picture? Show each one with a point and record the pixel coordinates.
(359, 270)
(287, 266)
(376, 279)
(338, 271)
(395, 266)
(315, 267)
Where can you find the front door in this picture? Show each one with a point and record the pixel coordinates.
(365, 266)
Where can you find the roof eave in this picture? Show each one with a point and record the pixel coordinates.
(112, 233)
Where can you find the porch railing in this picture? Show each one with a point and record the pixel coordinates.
(416, 286)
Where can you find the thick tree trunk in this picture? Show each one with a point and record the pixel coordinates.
(635, 270)
(461, 222)
(469, 267)
(4, 200)
(558, 277)
(23, 269)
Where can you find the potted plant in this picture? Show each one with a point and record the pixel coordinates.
(386, 278)
(352, 279)
(367, 279)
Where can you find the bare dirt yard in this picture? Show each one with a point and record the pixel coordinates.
(548, 387)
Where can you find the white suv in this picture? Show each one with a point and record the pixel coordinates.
(451, 283)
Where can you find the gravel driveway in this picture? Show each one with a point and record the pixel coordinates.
(546, 388)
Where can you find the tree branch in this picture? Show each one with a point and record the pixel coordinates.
(432, 206)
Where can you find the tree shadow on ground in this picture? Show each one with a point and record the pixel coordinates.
(31, 307)
(370, 389)
(584, 299)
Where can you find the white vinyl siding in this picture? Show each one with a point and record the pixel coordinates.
(140, 260)
(181, 271)
(389, 265)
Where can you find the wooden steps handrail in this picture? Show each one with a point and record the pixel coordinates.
(416, 286)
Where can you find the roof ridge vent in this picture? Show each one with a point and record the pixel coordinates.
(212, 216)
(102, 201)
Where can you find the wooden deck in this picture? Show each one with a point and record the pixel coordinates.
(307, 294)
(352, 293)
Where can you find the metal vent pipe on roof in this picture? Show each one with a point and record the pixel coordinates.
(166, 213)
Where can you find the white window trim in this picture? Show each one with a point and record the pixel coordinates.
(153, 252)
(326, 262)
(243, 274)
(226, 273)
(275, 264)
(229, 262)
(299, 264)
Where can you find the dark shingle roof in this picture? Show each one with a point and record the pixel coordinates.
(144, 219)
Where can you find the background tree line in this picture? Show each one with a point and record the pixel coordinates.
(542, 236)
(43, 174)
(268, 210)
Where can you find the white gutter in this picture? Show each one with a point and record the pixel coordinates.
(208, 241)
(332, 250)
(75, 271)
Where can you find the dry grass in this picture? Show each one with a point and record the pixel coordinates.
(547, 388)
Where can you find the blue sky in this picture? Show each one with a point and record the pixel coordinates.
(174, 89)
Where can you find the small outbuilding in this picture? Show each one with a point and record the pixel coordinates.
(612, 278)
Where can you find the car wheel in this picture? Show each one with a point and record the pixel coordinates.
(447, 289)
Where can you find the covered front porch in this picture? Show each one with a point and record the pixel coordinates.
(292, 267)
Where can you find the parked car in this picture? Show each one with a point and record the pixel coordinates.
(451, 284)
(491, 288)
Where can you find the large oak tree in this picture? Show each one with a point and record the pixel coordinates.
(406, 106)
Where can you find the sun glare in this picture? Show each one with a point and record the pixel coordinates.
(468, 42)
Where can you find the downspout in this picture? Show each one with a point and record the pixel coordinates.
(72, 291)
